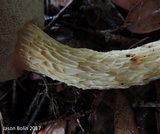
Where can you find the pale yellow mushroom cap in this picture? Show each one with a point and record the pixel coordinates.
(13, 15)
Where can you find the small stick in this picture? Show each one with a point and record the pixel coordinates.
(56, 18)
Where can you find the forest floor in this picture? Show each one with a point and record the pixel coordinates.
(38, 105)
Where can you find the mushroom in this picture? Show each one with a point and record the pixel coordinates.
(84, 68)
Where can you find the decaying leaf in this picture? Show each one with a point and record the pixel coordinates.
(101, 118)
(144, 17)
(126, 4)
(124, 121)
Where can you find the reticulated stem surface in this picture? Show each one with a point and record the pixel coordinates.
(84, 68)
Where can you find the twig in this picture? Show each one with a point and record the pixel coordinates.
(62, 11)
(148, 104)
(79, 124)
(74, 116)
(14, 99)
(142, 41)
(31, 108)
(38, 108)
(34, 116)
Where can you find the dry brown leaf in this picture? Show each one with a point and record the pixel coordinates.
(126, 4)
(101, 118)
(124, 121)
(144, 17)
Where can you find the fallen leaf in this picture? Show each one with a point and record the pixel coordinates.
(144, 17)
(124, 121)
(101, 118)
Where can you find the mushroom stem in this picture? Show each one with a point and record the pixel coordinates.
(84, 68)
